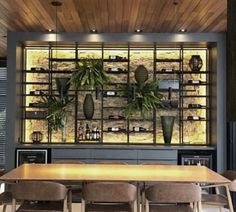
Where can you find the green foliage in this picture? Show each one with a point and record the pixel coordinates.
(56, 105)
(143, 99)
(56, 111)
(89, 74)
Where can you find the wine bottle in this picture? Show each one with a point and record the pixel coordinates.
(193, 118)
(194, 106)
(110, 93)
(94, 133)
(194, 81)
(139, 129)
(98, 134)
(87, 133)
(80, 132)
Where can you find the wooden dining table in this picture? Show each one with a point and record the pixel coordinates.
(115, 172)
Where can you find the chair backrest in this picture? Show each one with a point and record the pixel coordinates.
(109, 192)
(173, 193)
(112, 162)
(231, 175)
(39, 191)
(68, 162)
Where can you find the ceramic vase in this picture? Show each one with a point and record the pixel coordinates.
(167, 123)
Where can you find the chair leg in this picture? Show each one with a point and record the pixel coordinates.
(65, 204)
(199, 206)
(13, 208)
(70, 201)
(231, 208)
(4, 208)
(82, 205)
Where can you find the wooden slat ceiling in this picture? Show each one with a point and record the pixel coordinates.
(112, 16)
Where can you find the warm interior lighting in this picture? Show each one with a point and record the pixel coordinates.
(138, 30)
(50, 30)
(93, 30)
(183, 30)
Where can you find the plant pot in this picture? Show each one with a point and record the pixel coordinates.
(141, 74)
(88, 106)
(63, 86)
(167, 123)
(195, 63)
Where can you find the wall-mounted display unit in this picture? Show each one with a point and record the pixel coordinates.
(56, 111)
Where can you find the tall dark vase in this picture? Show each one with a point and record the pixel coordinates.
(167, 123)
(141, 74)
(88, 106)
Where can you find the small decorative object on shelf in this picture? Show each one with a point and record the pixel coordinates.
(36, 104)
(195, 63)
(167, 123)
(194, 118)
(141, 74)
(139, 129)
(37, 69)
(36, 137)
(194, 106)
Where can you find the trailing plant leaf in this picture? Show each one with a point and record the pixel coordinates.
(56, 111)
(89, 74)
(143, 98)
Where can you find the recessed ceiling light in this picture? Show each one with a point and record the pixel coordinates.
(138, 30)
(56, 3)
(183, 30)
(50, 30)
(93, 30)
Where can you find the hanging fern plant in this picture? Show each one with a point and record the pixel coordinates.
(89, 74)
(143, 98)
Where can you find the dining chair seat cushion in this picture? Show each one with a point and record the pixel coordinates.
(103, 207)
(28, 206)
(5, 198)
(171, 208)
(214, 199)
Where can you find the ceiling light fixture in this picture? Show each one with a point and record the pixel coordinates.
(138, 30)
(93, 31)
(183, 30)
(50, 30)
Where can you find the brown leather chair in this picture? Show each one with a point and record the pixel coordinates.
(220, 200)
(109, 196)
(39, 196)
(6, 196)
(169, 197)
(74, 189)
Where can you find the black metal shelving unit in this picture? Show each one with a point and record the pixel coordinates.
(178, 74)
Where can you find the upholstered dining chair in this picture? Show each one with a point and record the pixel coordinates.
(109, 196)
(75, 189)
(168, 197)
(220, 200)
(5, 196)
(39, 196)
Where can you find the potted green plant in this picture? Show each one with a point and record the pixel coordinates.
(143, 98)
(89, 75)
(57, 107)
